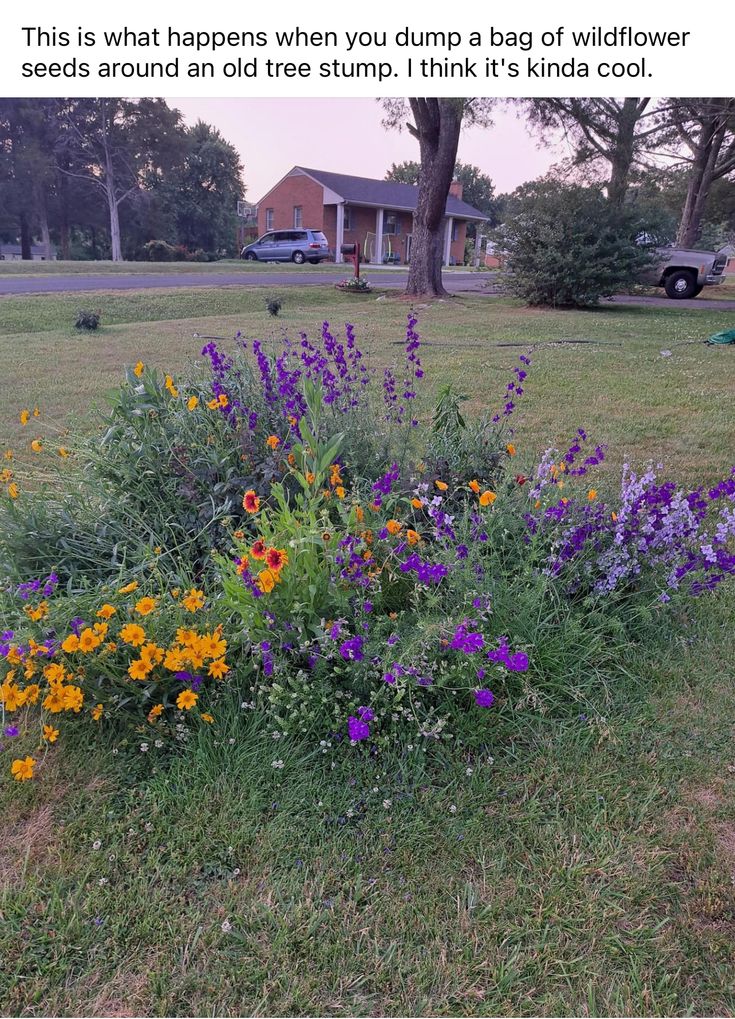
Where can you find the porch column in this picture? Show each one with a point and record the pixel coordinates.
(448, 240)
(338, 256)
(379, 236)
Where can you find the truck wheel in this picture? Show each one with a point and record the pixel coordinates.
(680, 285)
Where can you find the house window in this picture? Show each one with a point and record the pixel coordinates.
(298, 216)
(391, 224)
(269, 219)
(348, 217)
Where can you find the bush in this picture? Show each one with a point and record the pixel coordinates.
(160, 251)
(567, 246)
(87, 320)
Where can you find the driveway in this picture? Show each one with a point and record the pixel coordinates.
(480, 283)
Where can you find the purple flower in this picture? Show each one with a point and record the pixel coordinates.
(357, 729)
(366, 714)
(484, 698)
(11, 730)
(389, 678)
(466, 641)
(351, 650)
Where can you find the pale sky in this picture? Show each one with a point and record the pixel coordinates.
(346, 136)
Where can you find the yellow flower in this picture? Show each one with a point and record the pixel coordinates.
(487, 498)
(138, 669)
(186, 700)
(192, 403)
(218, 668)
(441, 485)
(413, 537)
(36, 412)
(339, 492)
(25, 416)
(171, 387)
(222, 400)
(32, 693)
(63, 452)
(50, 734)
(6, 475)
(132, 586)
(71, 644)
(133, 634)
(97, 712)
(139, 369)
(89, 640)
(73, 698)
(310, 477)
(194, 600)
(54, 673)
(266, 581)
(8, 454)
(155, 711)
(206, 717)
(23, 770)
(13, 490)
(213, 404)
(272, 441)
(36, 445)
(511, 450)
(40, 611)
(144, 606)
(152, 654)
(11, 695)
(592, 494)
(106, 612)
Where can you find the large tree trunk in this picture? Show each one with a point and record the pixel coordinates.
(622, 152)
(42, 214)
(437, 126)
(700, 181)
(25, 238)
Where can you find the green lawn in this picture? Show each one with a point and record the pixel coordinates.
(581, 864)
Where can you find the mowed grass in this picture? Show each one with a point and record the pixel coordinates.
(101, 268)
(582, 864)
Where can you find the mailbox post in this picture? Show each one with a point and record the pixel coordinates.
(354, 251)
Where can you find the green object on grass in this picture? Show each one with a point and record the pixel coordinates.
(726, 336)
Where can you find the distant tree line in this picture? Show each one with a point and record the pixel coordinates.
(102, 178)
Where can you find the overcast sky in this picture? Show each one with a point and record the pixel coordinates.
(346, 136)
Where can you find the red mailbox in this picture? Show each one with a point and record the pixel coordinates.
(353, 250)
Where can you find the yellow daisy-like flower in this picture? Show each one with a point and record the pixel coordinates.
(50, 734)
(133, 634)
(186, 700)
(25, 416)
(89, 640)
(132, 586)
(193, 601)
(206, 717)
(144, 606)
(13, 490)
(192, 403)
(487, 498)
(155, 711)
(218, 668)
(73, 698)
(71, 644)
(22, 770)
(266, 581)
(97, 712)
(213, 404)
(106, 611)
(138, 669)
(222, 400)
(139, 369)
(36, 445)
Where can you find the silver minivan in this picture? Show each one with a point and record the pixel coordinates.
(297, 246)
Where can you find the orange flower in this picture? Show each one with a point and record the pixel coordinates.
(511, 450)
(310, 477)
(272, 441)
(71, 644)
(487, 498)
(360, 514)
(36, 445)
(22, 770)
(243, 565)
(276, 558)
(186, 700)
(340, 492)
(218, 668)
(138, 669)
(416, 503)
(128, 587)
(155, 711)
(133, 634)
(139, 369)
(194, 600)
(192, 403)
(266, 581)
(89, 640)
(97, 712)
(206, 717)
(592, 494)
(475, 486)
(259, 549)
(441, 485)
(250, 501)
(238, 534)
(393, 526)
(106, 612)
(25, 416)
(50, 734)
(413, 537)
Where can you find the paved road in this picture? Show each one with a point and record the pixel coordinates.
(455, 282)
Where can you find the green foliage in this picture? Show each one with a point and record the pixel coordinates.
(159, 251)
(567, 246)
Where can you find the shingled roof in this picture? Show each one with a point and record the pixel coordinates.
(386, 193)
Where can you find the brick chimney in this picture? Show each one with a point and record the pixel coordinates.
(455, 188)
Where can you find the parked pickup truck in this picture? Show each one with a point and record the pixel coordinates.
(683, 273)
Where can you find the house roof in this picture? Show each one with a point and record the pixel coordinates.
(386, 193)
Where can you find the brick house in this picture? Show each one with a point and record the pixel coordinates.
(376, 213)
